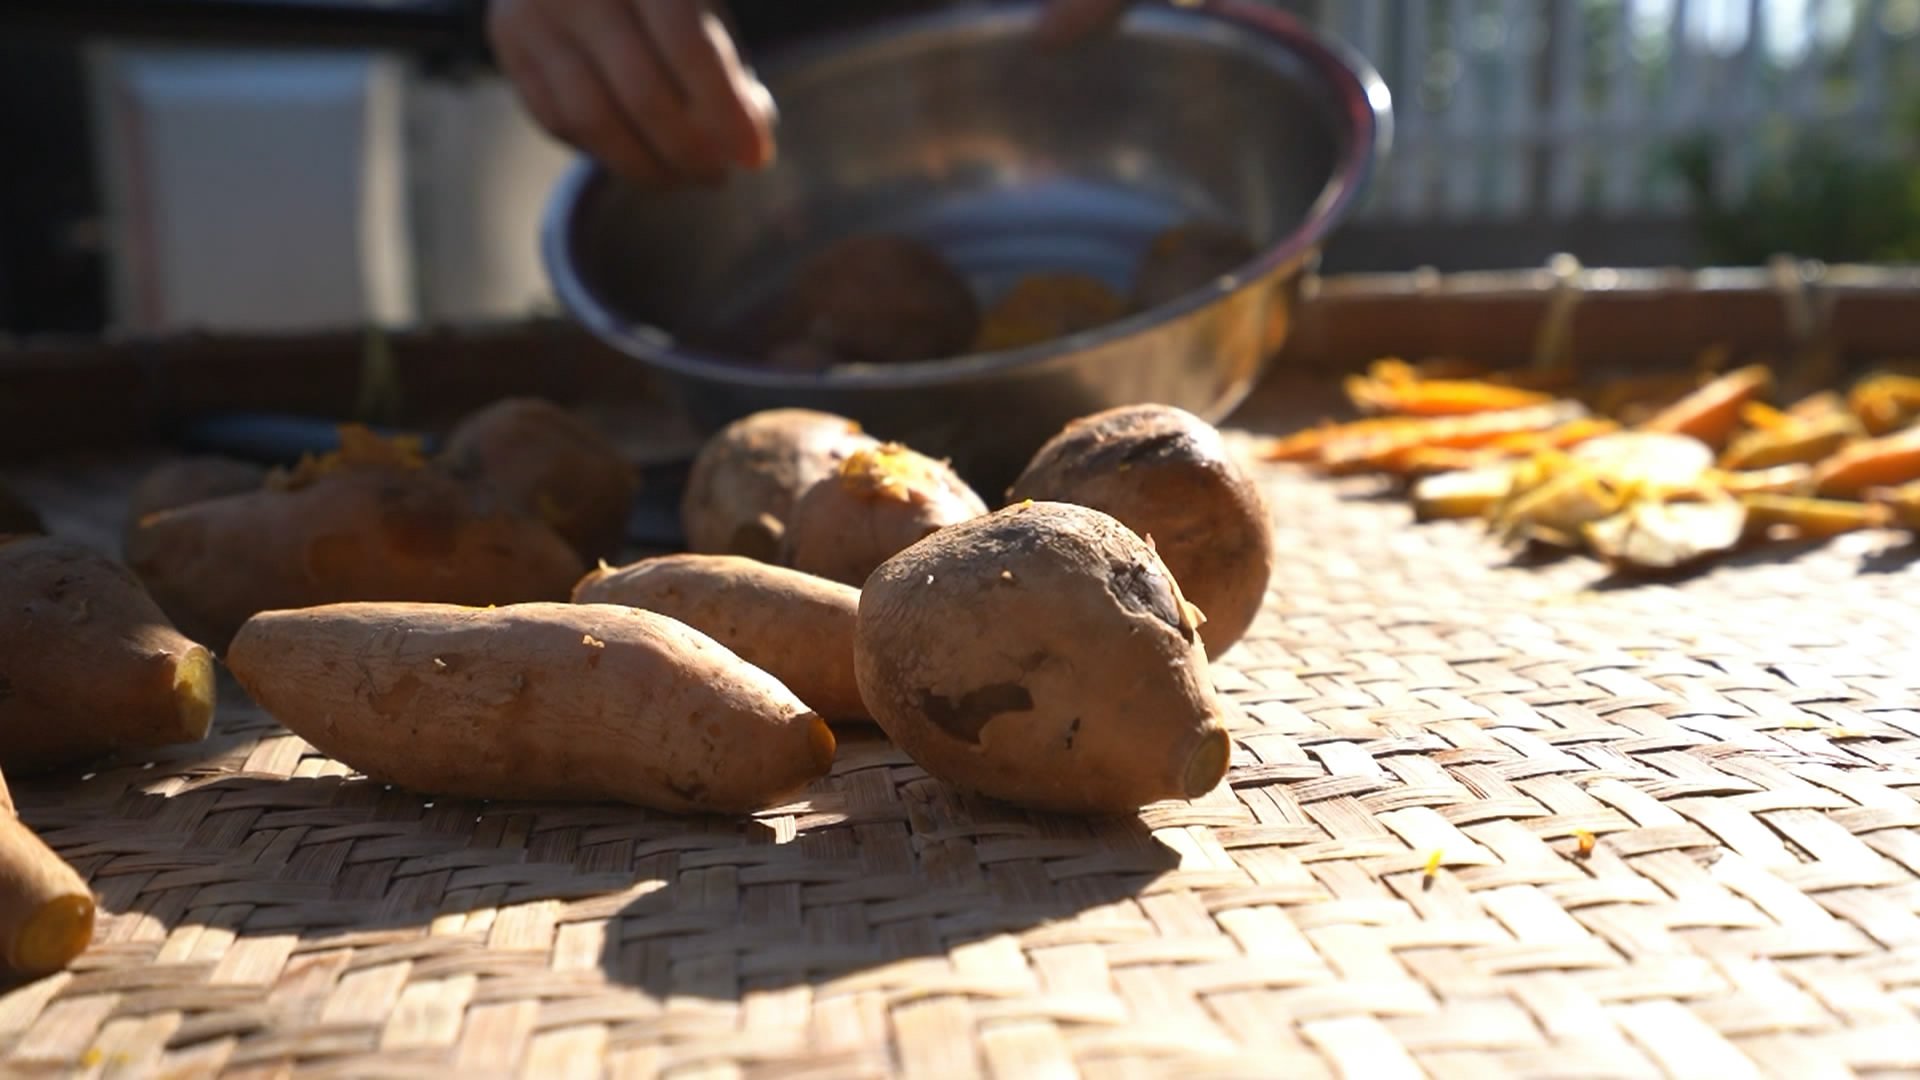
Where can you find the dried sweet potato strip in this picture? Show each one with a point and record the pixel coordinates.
(1359, 452)
(1792, 479)
(1558, 437)
(1557, 509)
(1887, 461)
(1901, 503)
(1464, 493)
(1795, 441)
(1711, 413)
(1884, 401)
(1437, 397)
(1811, 518)
(1651, 536)
(1305, 445)
(1817, 405)
(1764, 417)
(1432, 460)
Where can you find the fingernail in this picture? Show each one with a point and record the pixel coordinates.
(760, 101)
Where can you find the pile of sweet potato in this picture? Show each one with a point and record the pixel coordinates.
(1650, 475)
(432, 621)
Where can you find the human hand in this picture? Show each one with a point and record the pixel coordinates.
(654, 89)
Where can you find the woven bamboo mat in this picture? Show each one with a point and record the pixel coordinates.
(1745, 747)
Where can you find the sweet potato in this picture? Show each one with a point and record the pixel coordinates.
(1165, 474)
(591, 702)
(88, 664)
(748, 475)
(1187, 258)
(876, 298)
(797, 627)
(1042, 655)
(345, 532)
(881, 500)
(17, 515)
(1042, 307)
(46, 909)
(188, 480)
(548, 463)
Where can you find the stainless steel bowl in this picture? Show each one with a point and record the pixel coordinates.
(956, 128)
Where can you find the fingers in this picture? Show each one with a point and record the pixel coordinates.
(630, 65)
(652, 88)
(1066, 21)
(723, 99)
(591, 119)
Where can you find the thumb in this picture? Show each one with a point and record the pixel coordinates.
(1066, 21)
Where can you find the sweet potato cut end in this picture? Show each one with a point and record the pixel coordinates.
(822, 744)
(1207, 766)
(194, 692)
(56, 932)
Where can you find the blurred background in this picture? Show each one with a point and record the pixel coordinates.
(157, 188)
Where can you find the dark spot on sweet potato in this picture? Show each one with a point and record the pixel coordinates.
(1073, 732)
(965, 716)
(690, 792)
(1100, 452)
(1165, 444)
(1139, 587)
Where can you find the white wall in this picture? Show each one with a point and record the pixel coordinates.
(251, 190)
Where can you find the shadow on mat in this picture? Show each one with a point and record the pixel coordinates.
(1772, 553)
(1891, 559)
(886, 866)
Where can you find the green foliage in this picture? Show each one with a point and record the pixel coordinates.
(1810, 196)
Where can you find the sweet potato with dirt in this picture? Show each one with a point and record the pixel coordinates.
(1042, 655)
(797, 627)
(548, 463)
(46, 909)
(876, 298)
(350, 527)
(88, 663)
(880, 501)
(1165, 473)
(590, 702)
(17, 515)
(188, 480)
(748, 475)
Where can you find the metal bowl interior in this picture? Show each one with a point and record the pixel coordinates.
(958, 129)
